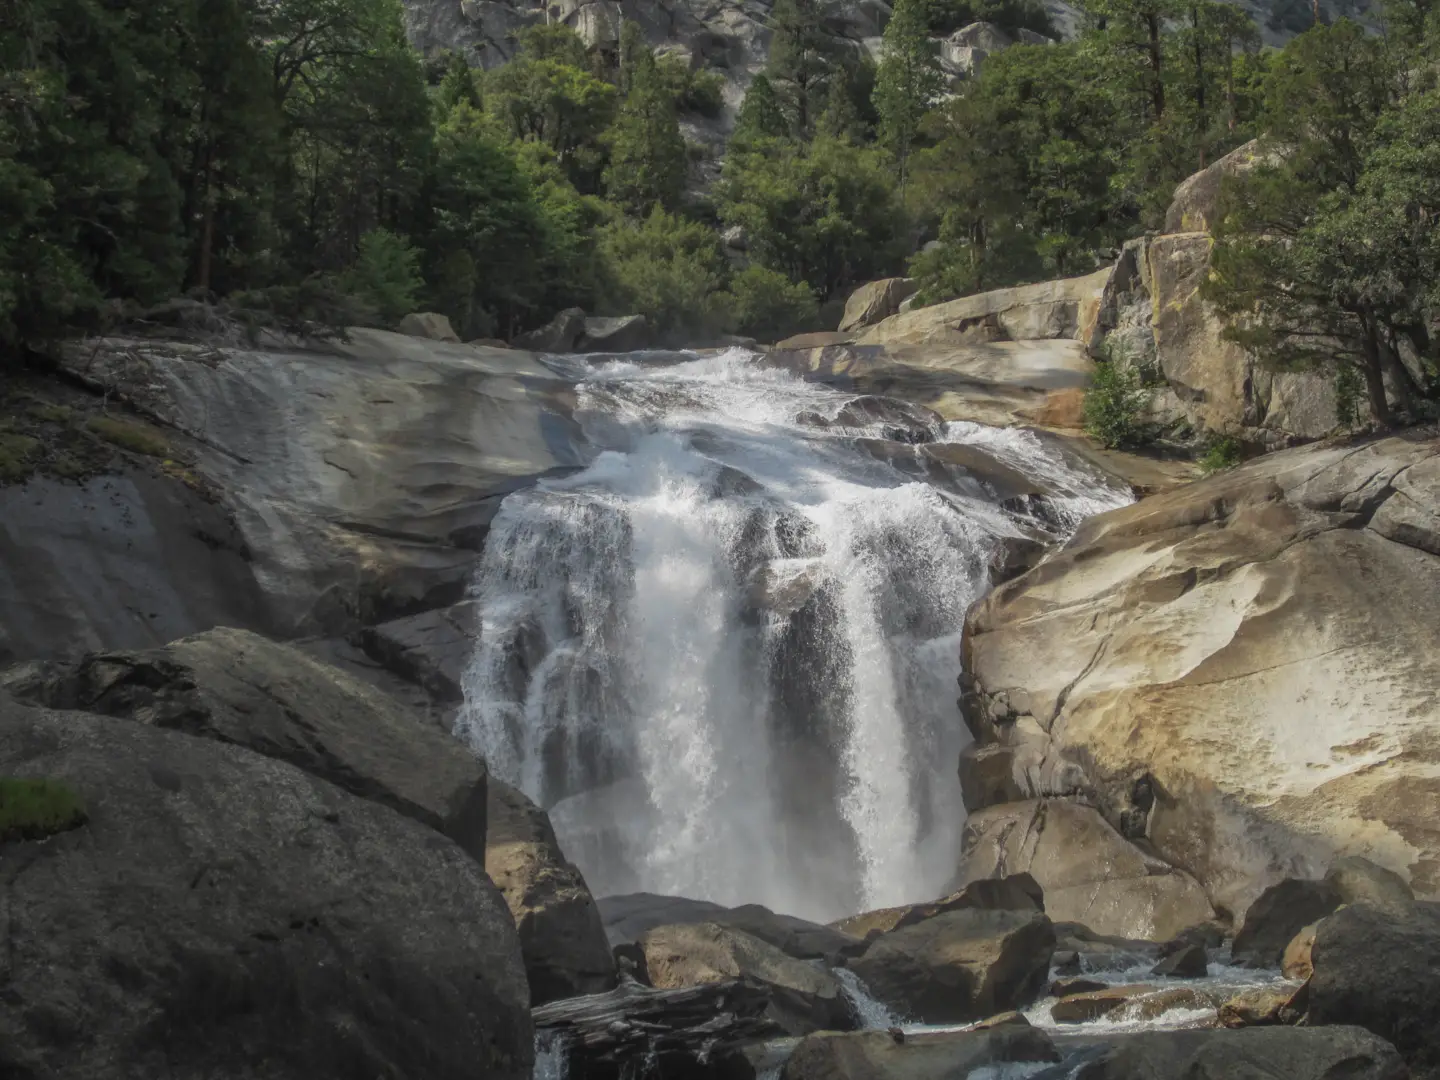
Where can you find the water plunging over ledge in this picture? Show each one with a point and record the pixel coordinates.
(724, 654)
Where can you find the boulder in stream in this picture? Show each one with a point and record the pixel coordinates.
(1019, 892)
(628, 918)
(960, 966)
(1281, 912)
(804, 997)
(226, 915)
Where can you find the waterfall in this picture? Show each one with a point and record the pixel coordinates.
(724, 654)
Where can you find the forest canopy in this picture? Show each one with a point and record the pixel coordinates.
(299, 158)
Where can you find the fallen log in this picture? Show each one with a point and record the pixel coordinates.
(634, 1021)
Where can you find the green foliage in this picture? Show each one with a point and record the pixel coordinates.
(770, 307)
(386, 276)
(1223, 453)
(947, 16)
(825, 213)
(36, 809)
(761, 116)
(693, 91)
(909, 79)
(648, 160)
(671, 271)
(1114, 404)
(803, 61)
(128, 435)
(548, 95)
(16, 452)
(458, 86)
(1327, 255)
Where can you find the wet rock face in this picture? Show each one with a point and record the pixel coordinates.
(349, 485)
(1195, 623)
(223, 914)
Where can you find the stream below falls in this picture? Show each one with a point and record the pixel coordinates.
(723, 655)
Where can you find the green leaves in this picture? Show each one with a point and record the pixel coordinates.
(909, 79)
(648, 161)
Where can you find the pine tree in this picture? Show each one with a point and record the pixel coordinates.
(909, 79)
(458, 85)
(760, 114)
(648, 161)
(802, 61)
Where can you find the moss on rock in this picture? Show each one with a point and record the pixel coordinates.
(32, 809)
(138, 438)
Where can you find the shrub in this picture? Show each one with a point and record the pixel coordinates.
(1223, 453)
(1114, 402)
(769, 306)
(35, 809)
(386, 275)
(670, 270)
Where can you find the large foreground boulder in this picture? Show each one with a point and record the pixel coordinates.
(1264, 1053)
(627, 918)
(237, 687)
(1089, 872)
(225, 915)
(561, 935)
(1381, 970)
(804, 997)
(960, 966)
(941, 1055)
(1240, 672)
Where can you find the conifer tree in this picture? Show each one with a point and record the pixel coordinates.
(909, 79)
(647, 154)
(802, 61)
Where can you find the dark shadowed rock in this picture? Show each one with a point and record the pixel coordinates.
(960, 966)
(628, 917)
(1281, 912)
(225, 915)
(1381, 971)
(1267, 1053)
(431, 649)
(941, 1055)
(1187, 962)
(1019, 892)
(804, 997)
(238, 687)
(561, 935)
(560, 335)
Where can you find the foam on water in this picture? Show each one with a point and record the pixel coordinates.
(725, 652)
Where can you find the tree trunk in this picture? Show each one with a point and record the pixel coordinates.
(1157, 87)
(1375, 377)
(1201, 122)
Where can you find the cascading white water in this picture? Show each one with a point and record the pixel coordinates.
(724, 654)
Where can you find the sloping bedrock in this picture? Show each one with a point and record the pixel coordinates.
(1242, 672)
